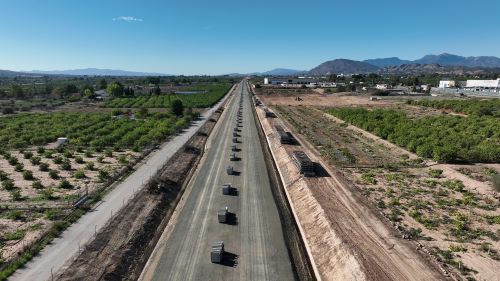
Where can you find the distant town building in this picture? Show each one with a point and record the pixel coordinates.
(101, 94)
(327, 84)
(266, 81)
(382, 86)
(446, 84)
(483, 84)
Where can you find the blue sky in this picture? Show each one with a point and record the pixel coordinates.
(221, 36)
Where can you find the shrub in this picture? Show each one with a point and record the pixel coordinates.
(8, 185)
(35, 160)
(368, 178)
(80, 174)
(64, 184)
(88, 154)
(103, 175)
(457, 248)
(79, 160)
(47, 194)
(66, 165)
(58, 160)
(5, 154)
(495, 179)
(16, 195)
(28, 175)
(44, 167)
(90, 166)
(3, 176)
(100, 159)
(13, 160)
(435, 173)
(37, 185)
(123, 159)
(28, 154)
(109, 153)
(53, 214)
(40, 150)
(16, 235)
(15, 214)
(68, 154)
(456, 185)
(19, 167)
(54, 174)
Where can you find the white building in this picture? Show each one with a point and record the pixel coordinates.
(266, 81)
(382, 86)
(483, 84)
(327, 84)
(446, 84)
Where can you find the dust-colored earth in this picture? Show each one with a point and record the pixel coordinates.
(346, 238)
(423, 208)
(37, 212)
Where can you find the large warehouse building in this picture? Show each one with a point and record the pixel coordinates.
(483, 84)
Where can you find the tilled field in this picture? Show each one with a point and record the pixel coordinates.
(341, 147)
(450, 210)
(348, 240)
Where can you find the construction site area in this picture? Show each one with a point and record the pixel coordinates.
(381, 208)
(275, 184)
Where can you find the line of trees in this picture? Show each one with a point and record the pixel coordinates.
(445, 139)
(473, 106)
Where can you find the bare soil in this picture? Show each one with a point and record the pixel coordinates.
(309, 97)
(425, 209)
(346, 238)
(33, 206)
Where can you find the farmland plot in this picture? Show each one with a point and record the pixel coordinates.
(40, 180)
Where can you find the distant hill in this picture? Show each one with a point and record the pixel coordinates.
(449, 59)
(442, 59)
(8, 73)
(97, 72)
(415, 68)
(282, 71)
(345, 66)
(387, 61)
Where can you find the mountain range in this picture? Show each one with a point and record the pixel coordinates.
(95, 72)
(442, 59)
(443, 63)
(343, 66)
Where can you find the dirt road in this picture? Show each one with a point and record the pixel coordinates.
(253, 239)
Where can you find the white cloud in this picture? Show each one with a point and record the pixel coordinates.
(127, 19)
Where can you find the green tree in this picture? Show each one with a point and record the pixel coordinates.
(115, 89)
(177, 107)
(142, 113)
(17, 91)
(87, 94)
(157, 90)
(103, 84)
